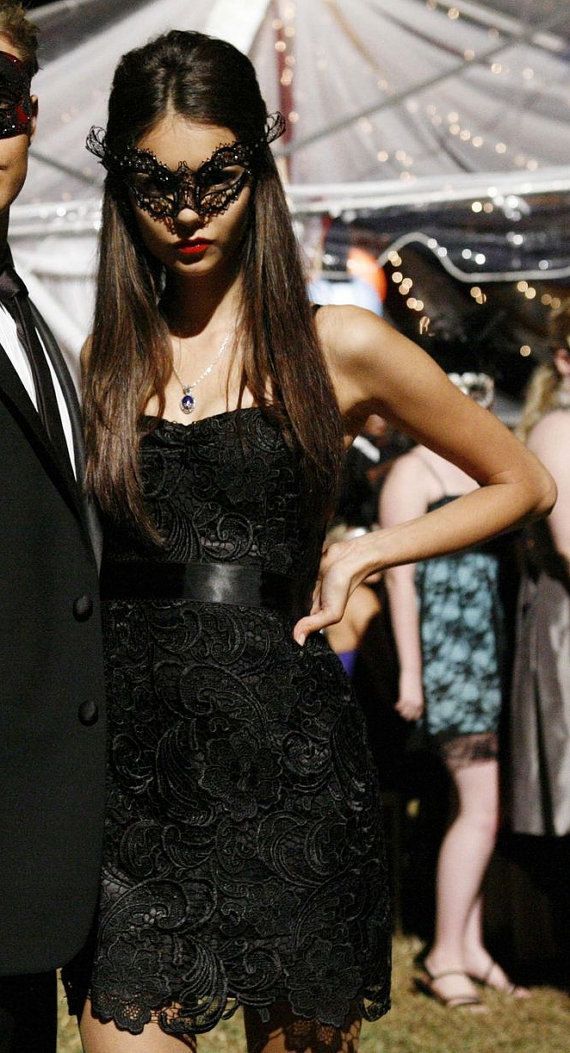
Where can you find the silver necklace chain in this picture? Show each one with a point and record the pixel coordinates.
(188, 400)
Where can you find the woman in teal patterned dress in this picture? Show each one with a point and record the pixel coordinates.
(447, 619)
(461, 628)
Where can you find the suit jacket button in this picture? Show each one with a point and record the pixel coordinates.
(88, 713)
(82, 608)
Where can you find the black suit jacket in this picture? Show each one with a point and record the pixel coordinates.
(51, 687)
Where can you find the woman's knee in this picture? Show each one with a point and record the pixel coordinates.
(482, 819)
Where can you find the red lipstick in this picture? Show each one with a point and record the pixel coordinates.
(194, 247)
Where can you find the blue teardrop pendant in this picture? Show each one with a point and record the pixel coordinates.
(187, 402)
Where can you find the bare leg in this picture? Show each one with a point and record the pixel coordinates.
(474, 948)
(463, 859)
(286, 1033)
(106, 1038)
(478, 961)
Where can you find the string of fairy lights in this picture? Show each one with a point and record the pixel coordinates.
(285, 31)
(448, 123)
(405, 285)
(454, 126)
(530, 293)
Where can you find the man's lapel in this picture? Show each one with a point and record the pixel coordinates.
(22, 407)
(18, 397)
(62, 373)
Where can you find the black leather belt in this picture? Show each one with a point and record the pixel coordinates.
(230, 583)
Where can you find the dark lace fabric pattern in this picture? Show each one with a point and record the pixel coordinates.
(244, 860)
(462, 637)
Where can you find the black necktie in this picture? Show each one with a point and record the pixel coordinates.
(14, 297)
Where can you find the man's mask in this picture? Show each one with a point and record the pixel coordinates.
(15, 101)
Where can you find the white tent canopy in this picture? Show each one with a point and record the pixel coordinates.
(416, 98)
(73, 87)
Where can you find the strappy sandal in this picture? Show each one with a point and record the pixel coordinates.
(425, 984)
(510, 988)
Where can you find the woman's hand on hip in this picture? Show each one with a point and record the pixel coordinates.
(344, 565)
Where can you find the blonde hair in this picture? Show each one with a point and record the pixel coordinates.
(542, 391)
(15, 24)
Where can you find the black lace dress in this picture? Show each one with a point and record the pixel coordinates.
(244, 860)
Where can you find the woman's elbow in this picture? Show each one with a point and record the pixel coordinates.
(545, 494)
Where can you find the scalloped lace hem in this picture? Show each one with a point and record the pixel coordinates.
(133, 1017)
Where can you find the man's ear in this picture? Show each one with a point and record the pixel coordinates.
(34, 120)
(561, 358)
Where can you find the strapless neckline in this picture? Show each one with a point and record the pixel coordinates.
(166, 422)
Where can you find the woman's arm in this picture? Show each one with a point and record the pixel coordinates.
(376, 370)
(404, 497)
(347, 635)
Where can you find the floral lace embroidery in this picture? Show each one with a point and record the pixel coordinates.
(243, 859)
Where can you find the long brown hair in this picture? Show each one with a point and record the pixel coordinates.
(210, 81)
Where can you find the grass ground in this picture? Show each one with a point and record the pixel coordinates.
(417, 1024)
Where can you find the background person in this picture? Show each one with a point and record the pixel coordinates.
(447, 621)
(540, 705)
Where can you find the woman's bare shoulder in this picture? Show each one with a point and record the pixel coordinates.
(347, 333)
(550, 432)
(358, 347)
(556, 422)
(549, 441)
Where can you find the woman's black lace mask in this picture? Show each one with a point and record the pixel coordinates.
(210, 190)
(15, 102)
